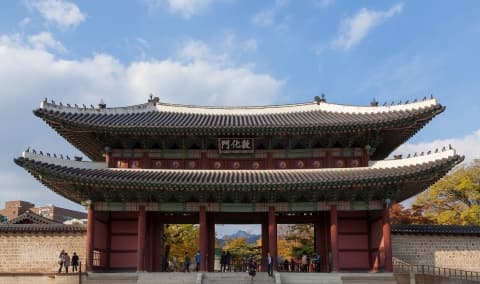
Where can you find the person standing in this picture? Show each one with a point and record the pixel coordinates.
(223, 261)
(198, 260)
(270, 264)
(228, 260)
(252, 267)
(75, 262)
(60, 260)
(186, 262)
(304, 262)
(66, 261)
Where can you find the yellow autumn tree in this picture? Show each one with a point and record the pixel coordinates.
(181, 238)
(455, 199)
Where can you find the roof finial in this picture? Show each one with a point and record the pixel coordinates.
(102, 104)
(153, 99)
(319, 100)
(431, 96)
(374, 103)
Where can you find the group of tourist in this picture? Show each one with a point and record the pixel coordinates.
(303, 264)
(225, 261)
(64, 261)
(187, 261)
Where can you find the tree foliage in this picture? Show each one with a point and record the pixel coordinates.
(181, 238)
(414, 215)
(300, 239)
(239, 248)
(455, 199)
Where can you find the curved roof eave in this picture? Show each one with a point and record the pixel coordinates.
(52, 172)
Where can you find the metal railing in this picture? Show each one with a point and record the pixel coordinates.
(402, 267)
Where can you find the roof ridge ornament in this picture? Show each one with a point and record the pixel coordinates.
(102, 104)
(319, 100)
(374, 103)
(153, 100)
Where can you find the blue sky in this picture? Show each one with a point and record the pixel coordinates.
(232, 52)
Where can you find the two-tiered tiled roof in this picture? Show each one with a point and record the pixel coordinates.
(395, 179)
(91, 129)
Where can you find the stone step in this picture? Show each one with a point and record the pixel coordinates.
(310, 278)
(110, 278)
(236, 278)
(337, 278)
(169, 278)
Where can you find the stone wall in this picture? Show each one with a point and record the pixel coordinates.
(38, 251)
(450, 251)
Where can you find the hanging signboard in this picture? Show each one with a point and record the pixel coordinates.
(235, 145)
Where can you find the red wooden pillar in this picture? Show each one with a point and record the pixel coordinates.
(334, 236)
(211, 244)
(141, 239)
(387, 240)
(90, 234)
(265, 246)
(158, 251)
(320, 244)
(203, 238)
(272, 235)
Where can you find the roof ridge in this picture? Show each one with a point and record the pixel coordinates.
(156, 105)
(30, 215)
(48, 158)
(398, 160)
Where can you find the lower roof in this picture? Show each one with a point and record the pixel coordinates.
(395, 180)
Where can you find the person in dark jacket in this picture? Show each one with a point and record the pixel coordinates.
(252, 267)
(223, 261)
(75, 262)
(228, 260)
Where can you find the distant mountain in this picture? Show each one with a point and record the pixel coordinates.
(251, 238)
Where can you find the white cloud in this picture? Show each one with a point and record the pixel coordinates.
(469, 146)
(24, 22)
(265, 18)
(26, 70)
(356, 28)
(62, 13)
(188, 8)
(45, 40)
(184, 8)
(223, 52)
(28, 74)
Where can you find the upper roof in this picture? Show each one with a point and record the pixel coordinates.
(91, 129)
(395, 179)
(435, 229)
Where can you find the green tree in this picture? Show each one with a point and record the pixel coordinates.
(302, 237)
(455, 199)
